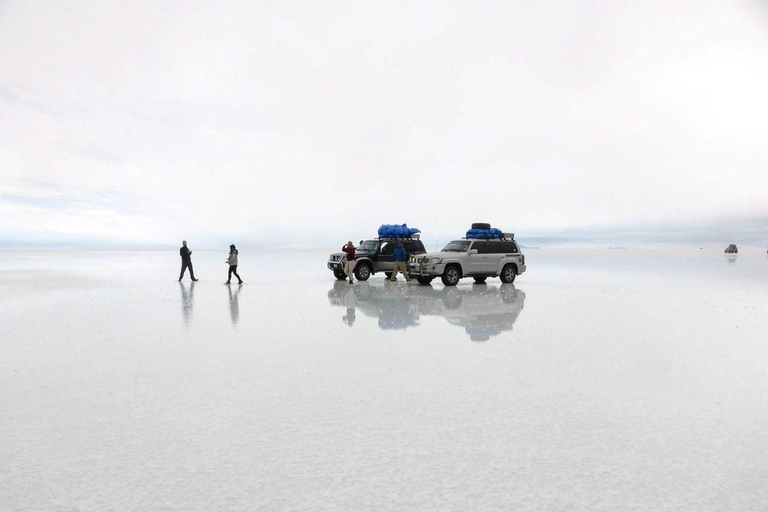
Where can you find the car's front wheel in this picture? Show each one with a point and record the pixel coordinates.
(508, 273)
(363, 271)
(340, 275)
(451, 276)
(424, 280)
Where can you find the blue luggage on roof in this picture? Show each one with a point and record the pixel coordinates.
(397, 231)
(484, 233)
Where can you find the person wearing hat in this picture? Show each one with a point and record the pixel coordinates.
(232, 260)
(349, 267)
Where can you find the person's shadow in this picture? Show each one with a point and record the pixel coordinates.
(234, 306)
(187, 296)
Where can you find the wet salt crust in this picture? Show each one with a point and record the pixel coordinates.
(629, 380)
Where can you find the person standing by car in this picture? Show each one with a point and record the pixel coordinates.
(349, 267)
(401, 256)
(186, 261)
(232, 260)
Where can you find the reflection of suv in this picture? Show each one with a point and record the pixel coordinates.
(483, 311)
(477, 258)
(374, 256)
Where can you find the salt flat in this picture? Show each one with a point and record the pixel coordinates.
(615, 380)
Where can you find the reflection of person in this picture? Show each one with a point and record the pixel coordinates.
(234, 305)
(232, 260)
(186, 261)
(186, 302)
(350, 302)
(349, 267)
(400, 258)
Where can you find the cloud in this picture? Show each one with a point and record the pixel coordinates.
(232, 120)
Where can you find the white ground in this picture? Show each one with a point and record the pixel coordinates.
(605, 380)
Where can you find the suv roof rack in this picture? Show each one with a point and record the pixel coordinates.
(504, 236)
(415, 236)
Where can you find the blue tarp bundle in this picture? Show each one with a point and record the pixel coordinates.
(396, 231)
(484, 233)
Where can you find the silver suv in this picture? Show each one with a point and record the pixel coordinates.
(470, 257)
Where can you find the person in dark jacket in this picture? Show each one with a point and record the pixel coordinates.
(349, 268)
(186, 261)
(400, 258)
(232, 260)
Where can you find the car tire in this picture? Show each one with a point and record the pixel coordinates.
(480, 280)
(481, 225)
(508, 273)
(363, 271)
(425, 280)
(451, 275)
(340, 275)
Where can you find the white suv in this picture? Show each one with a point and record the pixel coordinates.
(470, 257)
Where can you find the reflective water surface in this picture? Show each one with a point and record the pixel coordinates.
(629, 380)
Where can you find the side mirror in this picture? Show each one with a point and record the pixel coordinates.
(473, 251)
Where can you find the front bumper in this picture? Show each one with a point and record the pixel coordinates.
(335, 265)
(425, 270)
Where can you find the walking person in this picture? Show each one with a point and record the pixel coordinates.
(400, 258)
(186, 261)
(232, 260)
(349, 267)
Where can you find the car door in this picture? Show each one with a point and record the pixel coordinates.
(478, 262)
(386, 261)
(496, 252)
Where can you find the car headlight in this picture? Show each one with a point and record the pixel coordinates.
(434, 261)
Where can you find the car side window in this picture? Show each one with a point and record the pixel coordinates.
(507, 247)
(389, 248)
(416, 246)
(482, 247)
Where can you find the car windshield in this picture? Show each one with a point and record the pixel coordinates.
(368, 246)
(457, 246)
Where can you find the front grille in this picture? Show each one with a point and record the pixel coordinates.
(335, 258)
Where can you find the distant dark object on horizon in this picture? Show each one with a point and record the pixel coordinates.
(731, 249)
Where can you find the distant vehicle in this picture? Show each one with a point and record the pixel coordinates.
(374, 256)
(731, 249)
(479, 258)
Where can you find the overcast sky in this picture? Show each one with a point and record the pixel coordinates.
(145, 122)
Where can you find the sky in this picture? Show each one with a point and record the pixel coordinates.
(142, 123)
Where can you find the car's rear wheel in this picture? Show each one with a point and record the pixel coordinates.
(363, 271)
(340, 275)
(480, 280)
(451, 275)
(424, 280)
(508, 273)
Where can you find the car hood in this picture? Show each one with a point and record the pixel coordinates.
(432, 255)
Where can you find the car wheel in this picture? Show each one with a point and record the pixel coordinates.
(340, 275)
(363, 272)
(424, 280)
(480, 280)
(508, 274)
(451, 276)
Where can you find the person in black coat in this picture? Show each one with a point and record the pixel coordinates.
(186, 261)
